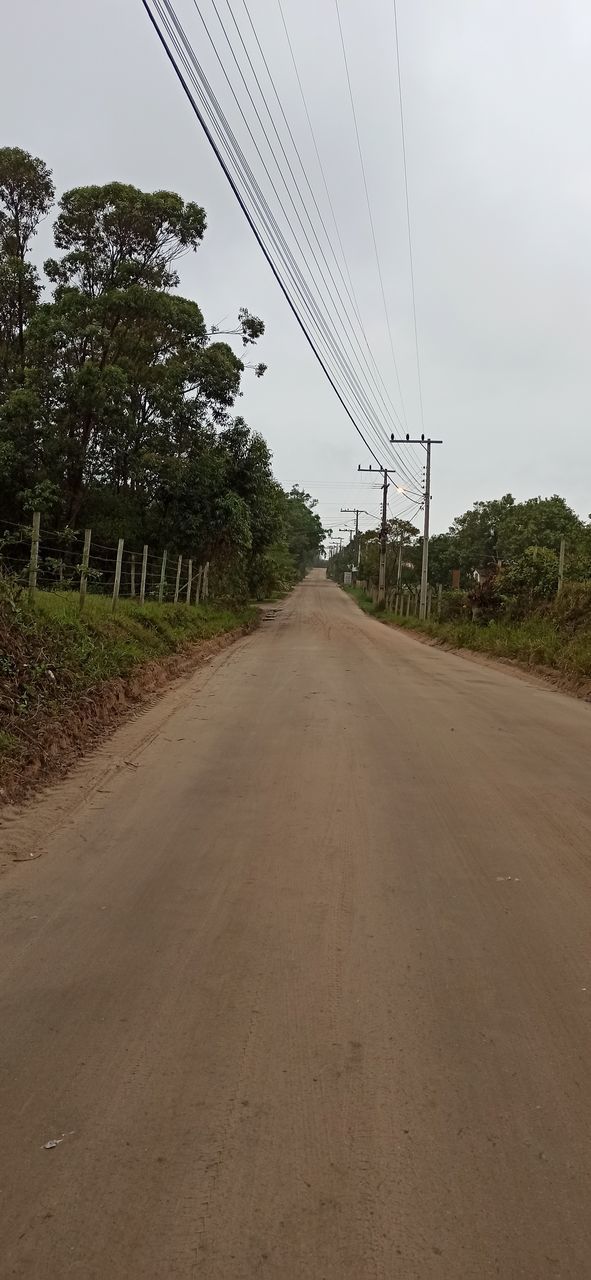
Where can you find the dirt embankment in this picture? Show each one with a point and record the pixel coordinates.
(58, 694)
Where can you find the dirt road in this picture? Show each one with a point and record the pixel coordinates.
(303, 975)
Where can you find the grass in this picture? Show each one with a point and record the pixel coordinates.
(51, 655)
(364, 602)
(533, 642)
(102, 645)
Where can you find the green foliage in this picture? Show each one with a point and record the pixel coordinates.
(494, 532)
(557, 638)
(116, 399)
(115, 236)
(369, 544)
(531, 576)
(533, 642)
(26, 195)
(50, 654)
(454, 605)
(303, 528)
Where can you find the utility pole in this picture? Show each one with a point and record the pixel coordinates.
(383, 531)
(399, 568)
(425, 563)
(355, 511)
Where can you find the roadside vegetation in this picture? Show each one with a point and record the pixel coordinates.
(118, 398)
(118, 415)
(504, 558)
(55, 662)
(556, 636)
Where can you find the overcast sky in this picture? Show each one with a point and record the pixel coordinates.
(497, 99)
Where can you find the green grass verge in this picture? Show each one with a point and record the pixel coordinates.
(50, 654)
(534, 642)
(361, 599)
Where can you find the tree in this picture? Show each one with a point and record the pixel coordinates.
(370, 552)
(492, 532)
(304, 532)
(443, 557)
(116, 235)
(531, 576)
(119, 413)
(117, 354)
(26, 195)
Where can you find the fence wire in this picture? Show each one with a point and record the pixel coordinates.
(57, 564)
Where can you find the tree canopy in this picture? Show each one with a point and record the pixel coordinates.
(117, 399)
(507, 552)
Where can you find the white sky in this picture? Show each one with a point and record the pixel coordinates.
(497, 101)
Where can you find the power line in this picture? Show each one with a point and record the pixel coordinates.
(371, 221)
(347, 283)
(269, 222)
(410, 254)
(218, 129)
(353, 294)
(341, 310)
(327, 348)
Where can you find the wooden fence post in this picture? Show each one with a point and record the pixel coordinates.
(143, 577)
(429, 600)
(206, 581)
(199, 582)
(84, 569)
(117, 581)
(178, 579)
(561, 555)
(189, 581)
(162, 578)
(34, 561)
(439, 595)
(132, 576)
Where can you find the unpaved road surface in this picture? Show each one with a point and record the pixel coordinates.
(303, 975)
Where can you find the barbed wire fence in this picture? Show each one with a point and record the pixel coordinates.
(71, 561)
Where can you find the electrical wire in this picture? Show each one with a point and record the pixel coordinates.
(329, 200)
(322, 345)
(339, 309)
(347, 282)
(329, 349)
(408, 227)
(370, 215)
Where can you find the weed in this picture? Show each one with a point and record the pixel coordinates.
(544, 639)
(51, 655)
